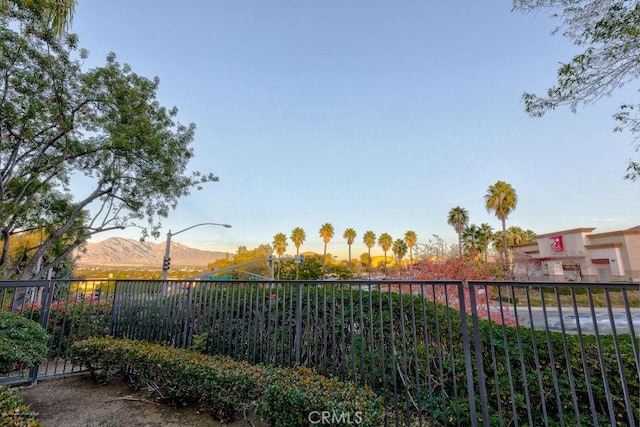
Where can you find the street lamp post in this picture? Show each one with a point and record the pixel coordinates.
(167, 250)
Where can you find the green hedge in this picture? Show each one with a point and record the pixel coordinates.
(71, 321)
(23, 342)
(14, 412)
(284, 397)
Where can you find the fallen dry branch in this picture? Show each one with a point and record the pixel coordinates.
(135, 399)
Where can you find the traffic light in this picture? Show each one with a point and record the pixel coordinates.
(270, 261)
(166, 264)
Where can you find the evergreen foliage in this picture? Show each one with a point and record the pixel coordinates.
(23, 342)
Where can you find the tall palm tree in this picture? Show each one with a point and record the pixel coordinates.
(350, 235)
(385, 241)
(410, 238)
(486, 231)
(280, 243)
(326, 232)
(55, 14)
(399, 250)
(501, 199)
(280, 246)
(458, 218)
(369, 239)
(298, 237)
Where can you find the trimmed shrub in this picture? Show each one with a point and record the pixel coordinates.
(285, 397)
(14, 412)
(304, 393)
(23, 342)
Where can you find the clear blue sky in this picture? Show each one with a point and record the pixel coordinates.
(374, 115)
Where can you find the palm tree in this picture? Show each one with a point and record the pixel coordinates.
(298, 237)
(280, 243)
(518, 236)
(369, 239)
(410, 238)
(515, 236)
(458, 218)
(326, 232)
(498, 243)
(501, 199)
(280, 246)
(471, 236)
(350, 235)
(486, 231)
(530, 236)
(55, 14)
(399, 249)
(385, 241)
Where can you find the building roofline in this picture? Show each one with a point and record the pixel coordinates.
(524, 245)
(572, 231)
(559, 258)
(632, 230)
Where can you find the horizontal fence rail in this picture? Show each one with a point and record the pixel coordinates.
(439, 353)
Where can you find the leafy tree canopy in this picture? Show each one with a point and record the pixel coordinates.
(310, 269)
(104, 126)
(23, 245)
(339, 271)
(365, 259)
(608, 34)
(243, 259)
(457, 269)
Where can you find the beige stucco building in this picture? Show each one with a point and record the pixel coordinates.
(580, 254)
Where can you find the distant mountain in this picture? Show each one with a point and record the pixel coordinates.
(122, 252)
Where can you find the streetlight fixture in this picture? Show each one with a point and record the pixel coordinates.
(167, 251)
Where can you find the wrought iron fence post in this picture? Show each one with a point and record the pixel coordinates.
(479, 361)
(467, 356)
(45, 304)
(298, 337)
(114, 310)
(187, 319)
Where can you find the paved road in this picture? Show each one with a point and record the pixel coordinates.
(585, 319)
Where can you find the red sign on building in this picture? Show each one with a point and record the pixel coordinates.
(556, 243)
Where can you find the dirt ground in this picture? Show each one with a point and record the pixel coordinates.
(77, 402)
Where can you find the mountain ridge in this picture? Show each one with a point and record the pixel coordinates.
(123, 252)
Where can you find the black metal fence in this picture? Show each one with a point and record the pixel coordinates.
(443, 353)
(69, 310)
